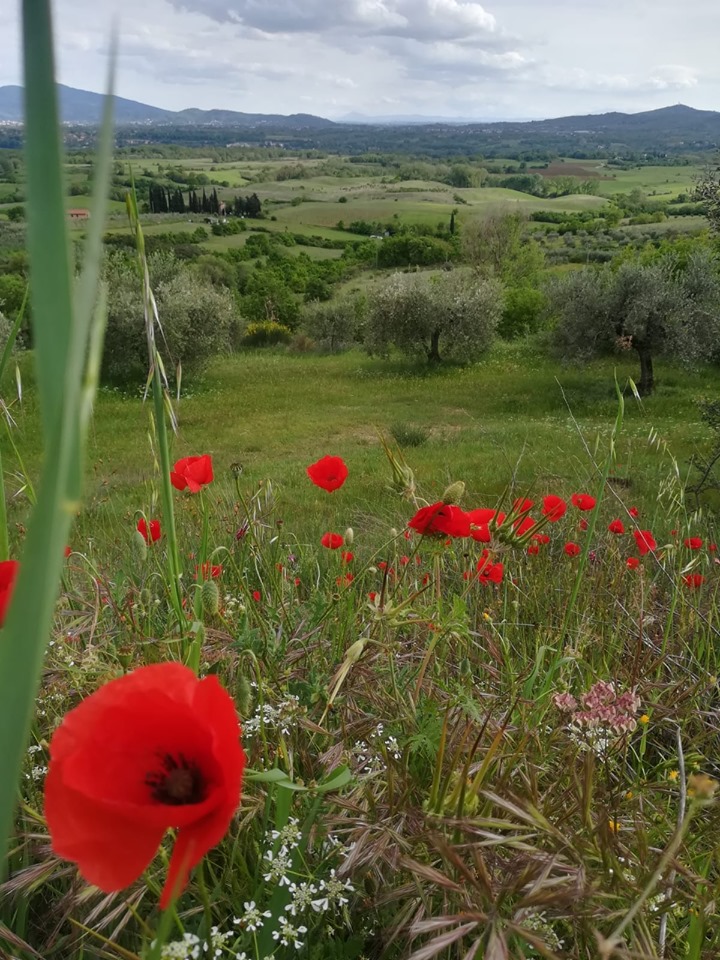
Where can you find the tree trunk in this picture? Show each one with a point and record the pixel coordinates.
(647, 378)
(434, 351)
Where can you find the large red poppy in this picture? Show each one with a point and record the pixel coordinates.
(329, 473)
(443, 518)
(572, 549)
(192, 472)
(583, 501)
(9, 570)
(521, 527)
(332, 540)
(485, 515)
(150, 531)
(489, 572)
(554, 508)
(645, 541)
(153, 750)
(617, 527)
(693, 543)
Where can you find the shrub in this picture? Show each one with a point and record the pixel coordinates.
(523, 312)
(336, 325)
(198, 320)
(266, 333)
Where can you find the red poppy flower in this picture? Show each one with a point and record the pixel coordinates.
(632, 563)
(426, 579)
(209, 571)
(634, 512)
(712, 547)
(533, 549)
(257, 596)
(9, 570)
(645, 541)
(333, 541)
(541, 537)
(693, 543)
(617, 526)
(442, 518)
(68, 551)
(482, 515)
(521, 505)
(481, 533)
(153, 533)
(554, 508)
(372, 596)
(489, 572)
(297, 581)
(345, 580)
(583, 501)
(329, 473)
(693, 581)
(404, 561)
(153, 750)
(347, 557)
(572, 549)
(192, 472)
(521, 527)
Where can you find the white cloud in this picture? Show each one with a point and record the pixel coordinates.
(424, 20)
(483, 58)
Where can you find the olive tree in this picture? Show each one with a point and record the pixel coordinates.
(197, 318)
(669, 307)
(422, 313)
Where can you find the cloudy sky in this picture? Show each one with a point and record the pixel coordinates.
(500, 59)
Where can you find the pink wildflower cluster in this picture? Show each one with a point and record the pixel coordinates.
(603, 707)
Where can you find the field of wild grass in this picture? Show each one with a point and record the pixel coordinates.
(466, 736)
(515, 417)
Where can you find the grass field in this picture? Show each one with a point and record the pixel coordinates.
(504, 417)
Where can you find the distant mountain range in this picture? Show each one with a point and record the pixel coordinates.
(84, 107)
(677, 124)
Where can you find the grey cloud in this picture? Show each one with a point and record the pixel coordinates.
(424, 20)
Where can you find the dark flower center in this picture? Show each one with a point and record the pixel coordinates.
(178, 783)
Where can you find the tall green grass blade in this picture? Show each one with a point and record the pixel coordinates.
(162, 408)
(61, 339)
(47, 237)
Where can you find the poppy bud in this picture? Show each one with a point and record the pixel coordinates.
(465, 668)
(355, 651)
(210, 597)
(139, 546)
(349, 536)
(454, 493)
(393, 532)
(243, 695)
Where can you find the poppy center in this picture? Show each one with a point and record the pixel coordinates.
(180, 782)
